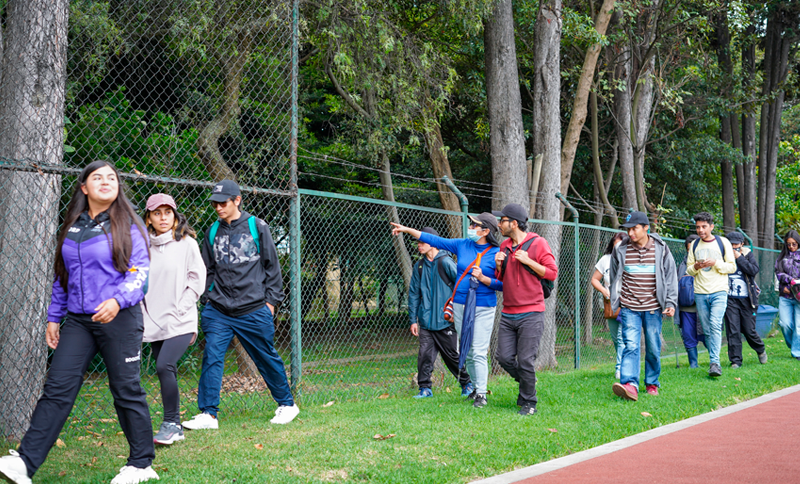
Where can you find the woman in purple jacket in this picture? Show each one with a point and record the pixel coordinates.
(101, 268)
(787, 270)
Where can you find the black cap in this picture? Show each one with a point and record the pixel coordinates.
(485, 220)
(735, 238)
(636, 218)
(224, 190)
(514, 211)
(430, 230)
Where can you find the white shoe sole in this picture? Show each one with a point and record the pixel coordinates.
(174, 439)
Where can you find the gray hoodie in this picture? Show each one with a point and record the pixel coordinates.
(177, 279)
(666, 275)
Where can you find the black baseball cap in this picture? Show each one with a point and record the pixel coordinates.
(430, 230)
(514, 211)
(224, 191)
(735, 238)
(636, 218)
(485, 220)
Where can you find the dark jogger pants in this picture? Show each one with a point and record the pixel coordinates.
(433, 343)
(120, 344)
(167, 353)
(740, 319)
(517, 347)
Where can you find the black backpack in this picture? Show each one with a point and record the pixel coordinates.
(547, 285)
(440, 268)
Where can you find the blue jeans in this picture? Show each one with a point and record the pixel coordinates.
(632, 323)
(615, 328)
(711, 311)
(789, 311)
(478, 356)
(256, 333)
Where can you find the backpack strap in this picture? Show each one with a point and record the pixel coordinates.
(443, 274)
(254, 232)
(524, 246)
(719, 243)
(212, 234)
(466, 271)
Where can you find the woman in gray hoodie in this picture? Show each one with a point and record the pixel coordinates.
(177, 279)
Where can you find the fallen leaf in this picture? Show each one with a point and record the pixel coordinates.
(553, 430)
(447, 389)
(384, 437)
(99, 444)
(259, 446)
(94, 460)
(645, 414)
(60, 443)
(737, 379)
(120, 433)
(120, 457)
(383, 396)
(107, 420)
(328, 404)
(62, 473)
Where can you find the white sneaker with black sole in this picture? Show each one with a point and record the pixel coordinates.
(13, 469)
(134, 475)
(285, 414)
(201, 422)
(168, 434)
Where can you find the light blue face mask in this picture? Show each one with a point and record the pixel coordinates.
(472, 234)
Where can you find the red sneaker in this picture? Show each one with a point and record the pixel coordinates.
(652, 390)
(626, 391)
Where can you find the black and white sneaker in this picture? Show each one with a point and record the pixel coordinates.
(527, 409)
(480, 401)
(472, 395)
(714, 370)
(168, 434)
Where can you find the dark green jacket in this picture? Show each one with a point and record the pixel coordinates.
(428, 293)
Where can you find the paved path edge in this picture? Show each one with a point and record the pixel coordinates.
(561, 462)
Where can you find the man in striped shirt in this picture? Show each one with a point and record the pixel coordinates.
(644, 283)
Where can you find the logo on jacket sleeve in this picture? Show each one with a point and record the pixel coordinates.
(141, 278)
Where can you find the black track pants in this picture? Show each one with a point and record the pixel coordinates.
(432, 343)
(740, 319)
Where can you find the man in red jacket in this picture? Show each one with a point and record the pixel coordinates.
(524, 261)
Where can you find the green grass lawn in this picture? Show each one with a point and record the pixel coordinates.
(437, 440)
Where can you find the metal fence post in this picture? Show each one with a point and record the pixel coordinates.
(462, 199)
(577, 278)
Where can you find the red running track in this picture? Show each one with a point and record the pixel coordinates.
(759, 444)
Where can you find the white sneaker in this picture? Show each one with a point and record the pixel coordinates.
(12, 469)
(202, 421)
(285, 414)
(132, 475)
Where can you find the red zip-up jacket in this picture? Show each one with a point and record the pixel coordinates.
(522, 291)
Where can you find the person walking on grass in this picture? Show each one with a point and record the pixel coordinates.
(432, 282)
(244, 285)
(787, 270)
(601, 282)
(475, 255)
(644, 285)
(709, 261)
(691, 333)
(101, 268)
(523, 263)
(177, 279)
(740, 316)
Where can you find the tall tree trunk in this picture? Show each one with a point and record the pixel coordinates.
(726, 177)
(441, 167)
(503, 100)
(400, 250)
(602, 188)
(726, 127)
(32, 94)
(579, 105)
(748, 200)
(622, 112)
(547, 143)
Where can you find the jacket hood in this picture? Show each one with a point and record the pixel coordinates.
(239, 221)
(162, 239)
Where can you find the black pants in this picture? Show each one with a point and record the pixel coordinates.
(740, 319)
(120, 344)
(167, 353)
(432, 343)
(517, 347)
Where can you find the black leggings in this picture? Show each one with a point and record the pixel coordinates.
(167, 353)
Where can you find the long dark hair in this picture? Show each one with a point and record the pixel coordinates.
(619, 236)
(792, 234)
(121, 214)
(180, 229)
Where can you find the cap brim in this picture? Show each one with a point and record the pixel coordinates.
(475, 220)
(498, 213)
(218, 197)
(628, 225)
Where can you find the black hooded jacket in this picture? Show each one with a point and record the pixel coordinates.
(243, 278)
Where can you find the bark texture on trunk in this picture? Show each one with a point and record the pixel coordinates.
(748, 200)
(32, 96)
(547, 143)
(441, 167)
(622, 125)
(400, 250)
(504, 103)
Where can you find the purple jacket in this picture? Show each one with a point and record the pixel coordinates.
(92, 277)
(786, 270)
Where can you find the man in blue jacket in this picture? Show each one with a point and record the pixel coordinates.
(244, 285)
(432, 282)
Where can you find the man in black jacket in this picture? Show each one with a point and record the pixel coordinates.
(740, 316)
(243, 287)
